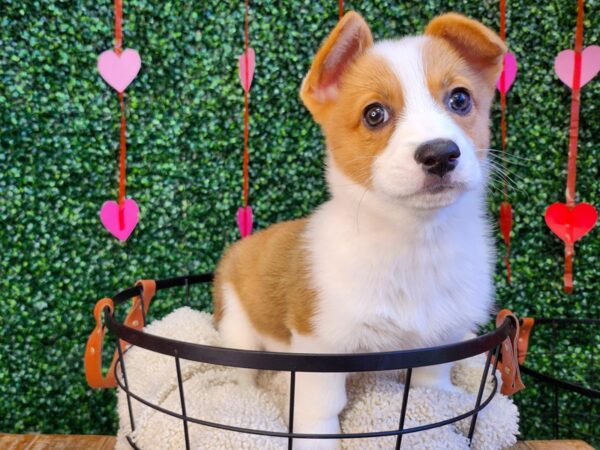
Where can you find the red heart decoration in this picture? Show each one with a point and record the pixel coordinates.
(571, 224)
(506, 221)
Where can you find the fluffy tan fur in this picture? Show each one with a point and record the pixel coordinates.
(268, 271)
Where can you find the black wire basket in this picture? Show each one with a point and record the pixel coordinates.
(488, 343)
(561, 371)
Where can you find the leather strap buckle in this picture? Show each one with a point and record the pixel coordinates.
(509, 363)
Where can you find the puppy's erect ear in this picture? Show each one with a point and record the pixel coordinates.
(477, 44)
(350, 38)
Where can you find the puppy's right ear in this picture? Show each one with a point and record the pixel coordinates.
(350, 38)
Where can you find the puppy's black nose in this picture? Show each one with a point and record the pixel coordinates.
(438, 156)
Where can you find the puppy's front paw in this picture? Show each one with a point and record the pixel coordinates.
(437, 377)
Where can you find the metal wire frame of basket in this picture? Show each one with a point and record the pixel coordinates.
(573, 404)
(489, 343)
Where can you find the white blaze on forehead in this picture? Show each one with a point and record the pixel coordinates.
(425, 116)
(405, 58)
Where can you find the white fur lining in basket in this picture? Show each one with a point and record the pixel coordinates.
(212, 394)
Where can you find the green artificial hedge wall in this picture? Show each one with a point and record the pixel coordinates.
(58, 164)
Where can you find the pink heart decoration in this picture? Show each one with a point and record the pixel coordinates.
(246, 71)
(245, 220)
(571, 224)
(509, 71)
(109, 216)
(564, 65)
(119, 70)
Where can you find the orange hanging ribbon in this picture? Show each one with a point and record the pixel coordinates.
(340, 9)
(505, 207)
(503, 95)
(573, 141)
(123, 136)
(118, 26)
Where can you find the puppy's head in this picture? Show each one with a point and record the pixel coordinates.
(407, 119)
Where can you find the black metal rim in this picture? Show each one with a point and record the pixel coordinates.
(568, 385)
(314, 362)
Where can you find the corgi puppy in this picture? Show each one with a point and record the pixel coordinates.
(400, 256)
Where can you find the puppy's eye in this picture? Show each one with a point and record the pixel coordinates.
(375, 115)
(459, 101)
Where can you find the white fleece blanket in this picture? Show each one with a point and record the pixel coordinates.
(212, 394)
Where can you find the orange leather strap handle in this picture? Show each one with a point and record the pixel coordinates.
(93, 349)
(136, 318)
(509, 366)
(524, 333)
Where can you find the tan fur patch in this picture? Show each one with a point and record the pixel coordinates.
(446, 69)
(269, 272)
(476, 43)
(352, 144)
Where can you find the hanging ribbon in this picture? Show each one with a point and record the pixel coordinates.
(570, 222)
(573, 140)
(248, 74)
(123, 135)
(507, 77)
(247, 62)
(122, 163)
(340, 9)
(119, 68)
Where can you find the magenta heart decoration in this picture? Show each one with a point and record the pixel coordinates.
(571, 224)
(120, 227)
(564, 65)
(509, 72)
(246, 68)
(245, 220)
(119, 70)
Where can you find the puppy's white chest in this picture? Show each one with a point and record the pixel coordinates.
(406, 308)
(379, 293)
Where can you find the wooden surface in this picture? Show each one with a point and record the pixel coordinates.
(88, 442)
(552, 445)
(55, 442)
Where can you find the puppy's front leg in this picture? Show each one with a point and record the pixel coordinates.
(320, 397)
(434, 376)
